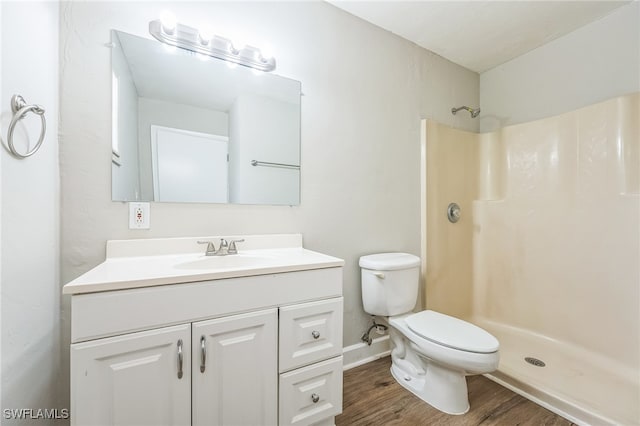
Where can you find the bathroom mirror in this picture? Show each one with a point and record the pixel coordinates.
(188, 128)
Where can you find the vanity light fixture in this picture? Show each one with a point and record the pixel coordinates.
(206, 43)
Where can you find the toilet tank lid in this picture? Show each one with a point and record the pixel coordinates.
(389, 261)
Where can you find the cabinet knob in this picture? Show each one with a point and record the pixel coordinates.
(316, 335)
(315, 398)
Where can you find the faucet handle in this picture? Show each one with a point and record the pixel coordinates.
(211, 248)
(232, 247)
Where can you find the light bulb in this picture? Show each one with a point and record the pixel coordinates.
(267, 53)
(205, 35)
(235, 50)
(168, 21)
(237, 46)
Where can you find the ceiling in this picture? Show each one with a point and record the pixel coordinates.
(479, 35)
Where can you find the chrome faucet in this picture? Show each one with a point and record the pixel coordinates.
(232, 246)
(211, 248)
(225, 248)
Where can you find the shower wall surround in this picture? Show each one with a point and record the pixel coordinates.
(452, 171)
(558, 250)
(554, 233)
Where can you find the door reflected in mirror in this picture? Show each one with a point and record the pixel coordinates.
(188, 128)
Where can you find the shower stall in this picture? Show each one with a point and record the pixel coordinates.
(546, 252)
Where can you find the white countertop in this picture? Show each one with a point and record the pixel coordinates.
(119, 271)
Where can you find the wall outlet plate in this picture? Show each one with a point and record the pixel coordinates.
(139, 215)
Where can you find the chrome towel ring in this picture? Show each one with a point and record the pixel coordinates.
(20, 110)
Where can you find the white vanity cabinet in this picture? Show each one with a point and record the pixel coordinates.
(132, 379)
(209, 373)
(262, 347)
(310, 361)
(234, 370)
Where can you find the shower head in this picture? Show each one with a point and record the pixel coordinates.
(474, 112)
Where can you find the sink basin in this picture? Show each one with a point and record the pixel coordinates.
(226, 262)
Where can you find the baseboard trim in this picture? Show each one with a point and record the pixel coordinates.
(361, 353)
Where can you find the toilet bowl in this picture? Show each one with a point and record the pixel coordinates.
(431, 353)
(436, 371)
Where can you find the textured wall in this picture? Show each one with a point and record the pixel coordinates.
(596, 62)
(30, 212)
(365, 91)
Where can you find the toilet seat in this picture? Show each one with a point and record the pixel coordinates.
(451, 332)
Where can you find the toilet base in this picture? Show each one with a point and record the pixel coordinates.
(442, 388)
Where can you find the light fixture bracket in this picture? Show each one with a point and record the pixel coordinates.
(189, 38)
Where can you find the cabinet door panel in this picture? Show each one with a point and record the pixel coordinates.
(310, 332)
(310, 394)
(240, 379)
(132, 379)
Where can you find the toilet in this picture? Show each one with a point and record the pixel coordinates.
(431, 353)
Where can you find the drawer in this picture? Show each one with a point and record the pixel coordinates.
(310, 332)
(310, 394)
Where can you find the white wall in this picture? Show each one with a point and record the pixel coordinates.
(365, 93)
(257, 133)
(30, 212)
(1, 251)
(177, 116)
(596, 62)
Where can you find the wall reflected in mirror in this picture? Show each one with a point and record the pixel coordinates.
(188, 128)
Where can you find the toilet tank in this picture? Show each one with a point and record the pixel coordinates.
(389, 283)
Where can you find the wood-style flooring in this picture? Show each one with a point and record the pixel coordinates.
(373, 397)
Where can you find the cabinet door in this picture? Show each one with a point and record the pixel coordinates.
(134, 379)
(235, 370)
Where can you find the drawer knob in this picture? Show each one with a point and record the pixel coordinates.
(315, 398)
(316, 335)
